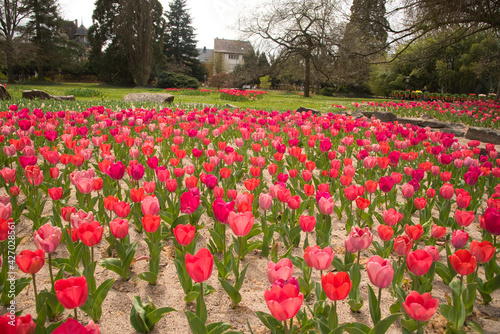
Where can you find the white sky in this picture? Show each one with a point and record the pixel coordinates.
(210, 18)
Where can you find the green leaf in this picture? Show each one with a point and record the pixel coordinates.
(100, 295)
(195, 323)
(138, 316)
(475, 326)
(231, 291)
(149, 277)
(218, 327)
(154, 316)
(241, 278)
(491, 285)
(374, 309)
(113, 265)
(384, 324)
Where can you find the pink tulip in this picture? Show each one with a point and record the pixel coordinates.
(464, 218)
(459, 238)
(326, 205)
(150, 206)
(265, 201)
(320, 259)
(380, 271)
(241, 223)
(5, 211)
(392, 217)
(359, 239)
(282, 270)
(190, 201)
(222, 209)
(47, 238)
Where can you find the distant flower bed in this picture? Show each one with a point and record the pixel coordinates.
(241, 95)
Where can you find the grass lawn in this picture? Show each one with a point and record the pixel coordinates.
(111, 96)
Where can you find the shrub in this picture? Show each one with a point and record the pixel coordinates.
(221, 80)
(326, 91)
(176, 80)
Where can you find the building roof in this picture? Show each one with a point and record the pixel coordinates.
(81, 31)
(205, 55)
(231, 46)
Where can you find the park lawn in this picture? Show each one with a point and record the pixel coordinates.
(111, 96)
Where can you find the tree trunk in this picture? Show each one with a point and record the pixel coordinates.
(9, 53)
(307, 79)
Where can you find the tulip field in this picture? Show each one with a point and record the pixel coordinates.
(213, 221)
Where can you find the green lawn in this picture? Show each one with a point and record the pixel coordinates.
(112, 96)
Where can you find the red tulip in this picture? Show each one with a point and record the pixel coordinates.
(55, 193)
(459, 238)
(66, 212)
(446, 191)
(72, 292)
(307, 223)
(241, 223)
(71, 326)
(137, 195)
(492, 221)
(151, 223)
(90, 233)
(293, 202)
(109, 202)
(392, 217)
(385, 232)
(283, 301)
(221, 210)
(386, 183)
(190, 200)
(483, 251)
(437, 232)
(336, 286)
(116, 170)
(362, 203)
(464, 218)
(414, 232)
(12, 324)
(200, 265)
(30, 262)
(420, 307)
(420, 203)
(463, 262)
(419, 262)
(171, 185)
(119, 228)
(184, 234)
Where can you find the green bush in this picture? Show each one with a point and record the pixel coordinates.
(326, 91)
(176, 80)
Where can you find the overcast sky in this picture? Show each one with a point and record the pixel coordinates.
(210, 18)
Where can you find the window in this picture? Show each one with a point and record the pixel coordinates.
(231, 56)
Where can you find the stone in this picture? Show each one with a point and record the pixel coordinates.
(384, 116)
(357, 114)
(457, 129)
(41, 95)
(485, 135)
(304, 109)
(4, 94)
(149, 97)
(433, 124)
(230, 106)
(413, 121)
(368, 114)
(426, 116)
(36, 94)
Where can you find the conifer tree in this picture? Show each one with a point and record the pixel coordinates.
(180, 42)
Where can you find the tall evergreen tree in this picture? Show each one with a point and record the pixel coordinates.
(365, 35)
(42, 26)
(180, 42)
(125, 40)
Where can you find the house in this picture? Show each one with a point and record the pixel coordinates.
(206, 58)
(225, 55)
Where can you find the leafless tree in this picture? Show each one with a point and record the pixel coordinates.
(297, 28)
(12, 13)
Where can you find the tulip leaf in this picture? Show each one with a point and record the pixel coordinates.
(191, 296)
(374, 308)
(149, 277)
(195, 323)
(241, 278)
(223, 271)
(269, 321)
(219, 328)
(155, 315)
(491, 285)
(382, 326)
(113, 265)
(469, 297)
(138, 316)
(445, 310)
(231, 291)
(475, 326)
(443, 272)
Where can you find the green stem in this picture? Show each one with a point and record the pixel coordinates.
(76, 314)
(92, 248)
(50, 271)
(36, 293)
(379, 298)
(223, 241)
(461, 283)
(359, 253)
(285, 324)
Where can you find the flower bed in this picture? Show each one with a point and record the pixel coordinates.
(241, 95)
(243, 219)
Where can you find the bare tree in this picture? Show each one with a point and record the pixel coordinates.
(12, 13)
(298, 28)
